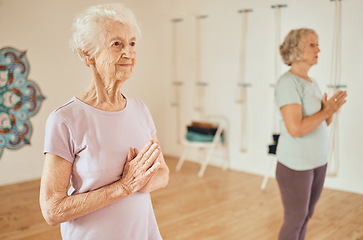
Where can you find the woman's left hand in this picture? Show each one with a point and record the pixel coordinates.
(140, 167)
(332, 105)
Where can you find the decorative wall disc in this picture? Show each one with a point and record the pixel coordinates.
(20, 99)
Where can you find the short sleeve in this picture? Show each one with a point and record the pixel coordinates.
(149, 120)
(286, 92)
(58, 138)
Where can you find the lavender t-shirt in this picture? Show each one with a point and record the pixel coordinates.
(96, 142)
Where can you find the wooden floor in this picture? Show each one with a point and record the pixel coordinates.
(223, 205)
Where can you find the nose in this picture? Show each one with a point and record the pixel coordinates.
(128, 52)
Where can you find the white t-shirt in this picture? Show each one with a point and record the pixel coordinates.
(96, 142)
(311, 150)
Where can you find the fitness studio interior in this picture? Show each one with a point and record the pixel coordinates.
(201, 64)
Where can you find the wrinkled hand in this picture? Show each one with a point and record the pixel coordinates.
(140, 167)
(332, 105)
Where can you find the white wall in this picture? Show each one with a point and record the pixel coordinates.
(220, 53)
(43, 28)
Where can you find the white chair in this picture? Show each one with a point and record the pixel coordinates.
(272, 166)
(273, 160)
(208, 148)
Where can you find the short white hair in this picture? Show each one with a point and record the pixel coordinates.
(87, 26)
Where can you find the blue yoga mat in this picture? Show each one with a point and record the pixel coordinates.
(199, 137)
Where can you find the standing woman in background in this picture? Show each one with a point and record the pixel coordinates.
(302, 151)
(92, 141)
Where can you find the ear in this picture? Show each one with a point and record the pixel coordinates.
(87, 58)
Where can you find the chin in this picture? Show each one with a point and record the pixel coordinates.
(314, 62)
(123, 76)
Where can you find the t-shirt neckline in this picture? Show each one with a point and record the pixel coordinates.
(83, 104)
(312, 81)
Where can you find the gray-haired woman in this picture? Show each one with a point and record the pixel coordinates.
(302, 150)
(93, 140)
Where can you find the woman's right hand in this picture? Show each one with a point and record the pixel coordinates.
(140, 167)
(332, 105)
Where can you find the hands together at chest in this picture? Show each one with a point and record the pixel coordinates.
(140, 167)
(332, 105)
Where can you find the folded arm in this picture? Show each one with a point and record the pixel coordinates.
(58, 207)
(298, 126)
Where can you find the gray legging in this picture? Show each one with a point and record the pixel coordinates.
(300, 191)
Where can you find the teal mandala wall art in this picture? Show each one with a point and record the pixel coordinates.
(20, 99)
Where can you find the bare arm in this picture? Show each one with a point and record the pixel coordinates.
(298, 126)
(329, 120)
(58, 207)
(160, 178)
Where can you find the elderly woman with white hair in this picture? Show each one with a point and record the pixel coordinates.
(302, 150)
(95, 182)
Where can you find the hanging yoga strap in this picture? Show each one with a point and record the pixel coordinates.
(200, 85)
(277, 63)
(175, 102)
(335, 84)
(241, 97)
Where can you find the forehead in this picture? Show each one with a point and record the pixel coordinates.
(112, 29)
(311, 37)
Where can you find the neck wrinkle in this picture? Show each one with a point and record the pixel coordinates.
(103, 97)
